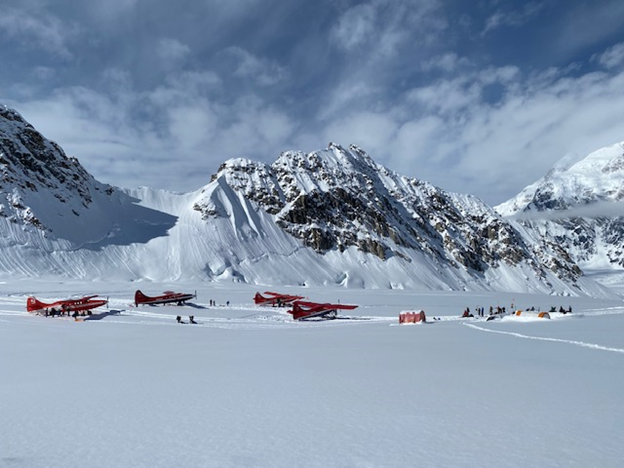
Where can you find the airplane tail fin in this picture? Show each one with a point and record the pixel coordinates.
(298, 312)
(295, 310)
(34, 305)
(259, 299)
(139, 297)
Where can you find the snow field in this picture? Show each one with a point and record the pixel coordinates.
(248, 387)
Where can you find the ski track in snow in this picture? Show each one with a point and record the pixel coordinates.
(540, 338)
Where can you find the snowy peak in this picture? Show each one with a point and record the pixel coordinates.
(255, 180)
(597, 178)
(580, 208)
(328, 169)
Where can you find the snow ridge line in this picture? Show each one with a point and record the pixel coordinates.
(539, 338)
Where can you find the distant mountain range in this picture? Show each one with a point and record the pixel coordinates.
(331, 217)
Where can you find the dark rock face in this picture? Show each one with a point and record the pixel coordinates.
(27, 159)
(585, 238)
(30, 163)
(340, 198)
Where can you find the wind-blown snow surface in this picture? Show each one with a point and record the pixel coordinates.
(248, 387)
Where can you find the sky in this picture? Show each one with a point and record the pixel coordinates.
(480, 97)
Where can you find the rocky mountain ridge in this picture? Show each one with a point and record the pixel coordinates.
(340, 198)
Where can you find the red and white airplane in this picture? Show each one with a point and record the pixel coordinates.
(82, 304)
(304, 310)
(166, 298)
(275, 299)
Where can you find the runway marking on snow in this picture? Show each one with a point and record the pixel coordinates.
(540, 338)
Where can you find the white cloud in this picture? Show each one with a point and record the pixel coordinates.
(172, 50)
(379, 27)
(447, 62)
(263, 71)
(173, 136)
(45, 32)
(343, 96)
(184, 88)
(111, 10)
(592, 210)
(512, 18)
(191, 126)
(274, 126)
(371, 131)
(355, 27)
(179, 104)
(447, 97)
(518, 141)
(43, 73)
(444, 133)
(613, 57)
(449, 134)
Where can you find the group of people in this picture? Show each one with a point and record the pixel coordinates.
(480, 311)
(552, 309)
(191, 319)
(64, 310)
(214, 303)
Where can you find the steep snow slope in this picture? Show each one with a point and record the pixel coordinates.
(580, 208)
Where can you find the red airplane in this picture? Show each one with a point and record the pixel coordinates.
(275, 299)
(82, 304)
(166, 298)
(304, 310)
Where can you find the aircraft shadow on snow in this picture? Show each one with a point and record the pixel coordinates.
(195, 306)
(101, 315)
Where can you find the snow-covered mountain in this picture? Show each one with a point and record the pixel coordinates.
(339, 200)
(328, 217)
(51, 208)
(580, 207)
